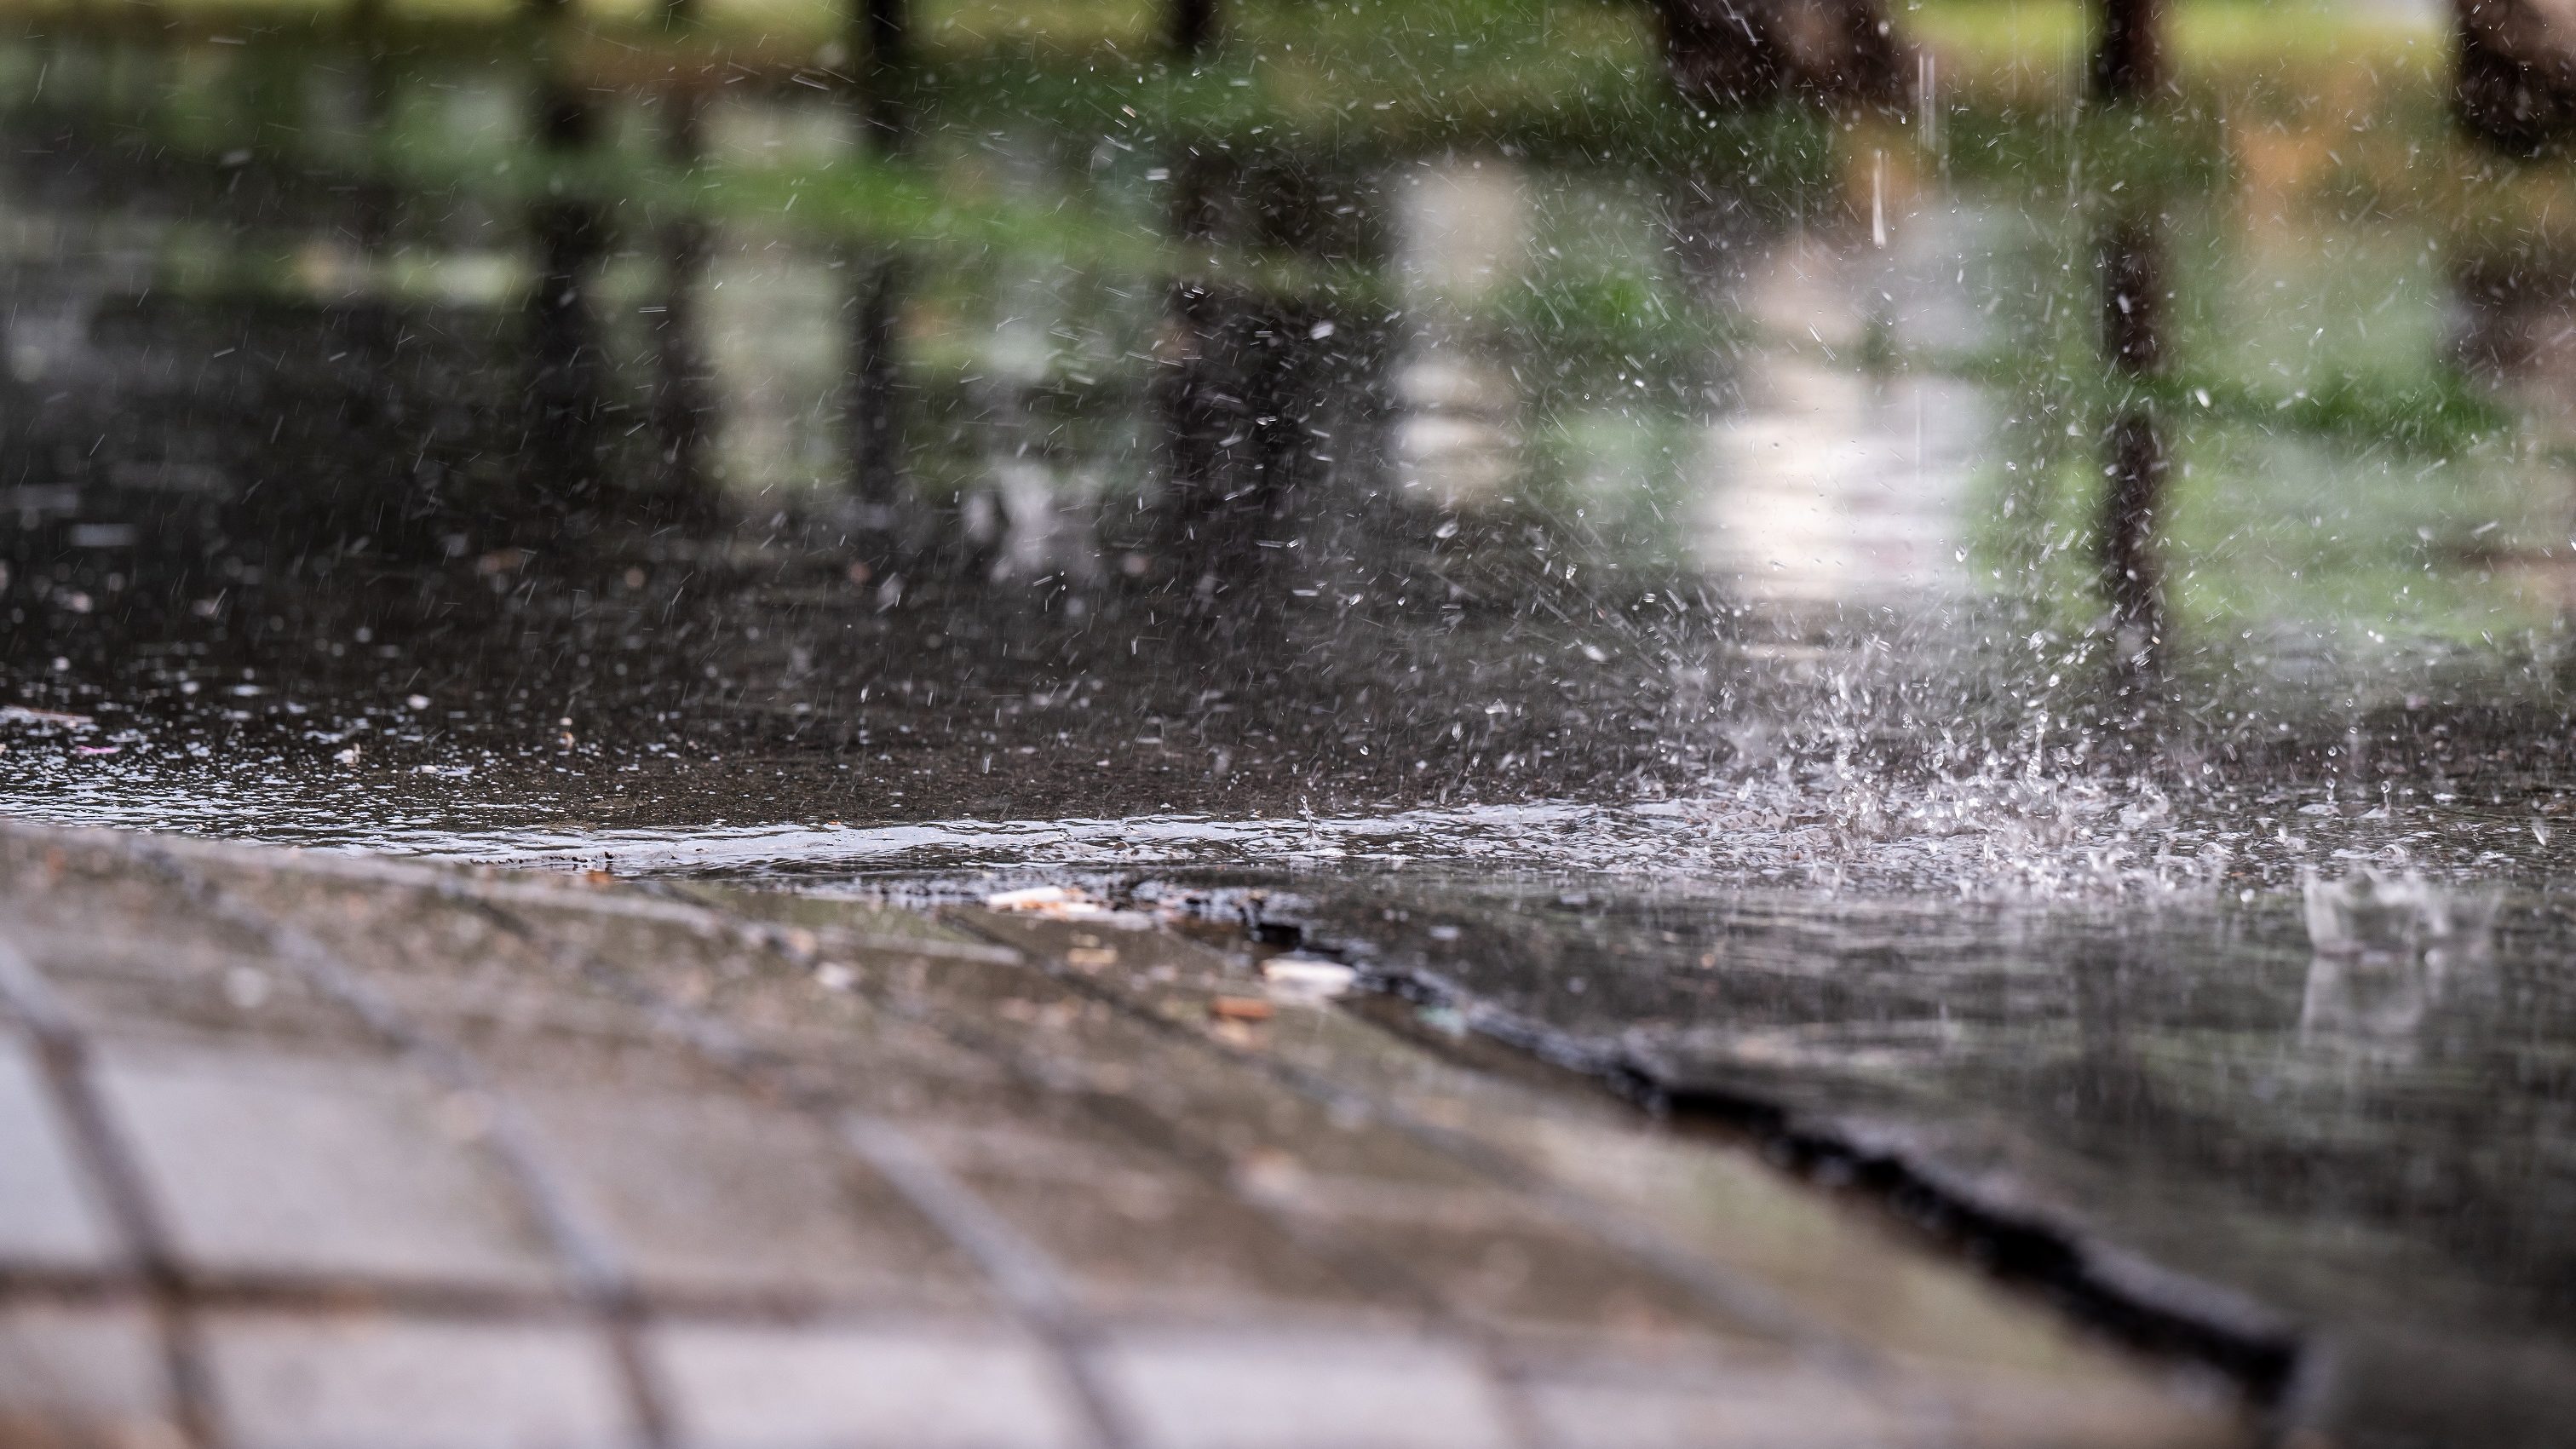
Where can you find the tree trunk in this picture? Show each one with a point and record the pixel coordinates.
(2516, 84)
(1732, 53)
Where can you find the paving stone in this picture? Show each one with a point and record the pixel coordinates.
(1254, 1264)
(722, 1195)
(2011, 1410)
(1831, 1264)
(315, 1167)
(875, 1386)
(885, 925)
(1139, 1245)
(575, 1003)
(82, 1373)
(1291, 1391)
(367, 1382)
(1773, 1407)
(1841, 1271)
(52, 1217)
(1535, 1275)
(188, 990)
(1836, 1261)
(444, 959)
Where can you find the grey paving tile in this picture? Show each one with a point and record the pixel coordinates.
(878, 1386)
(76, 1373)
(365, 1382)
(2010, 1410)
(1773, 1406)
(1133, 1243)
(136, 981)
(1534, 1274)
(311, 1166)
(573, 1002)
(49, 1213)
(1301, 1391)
(728, 1194)
(886, 925)
(1262, 1262)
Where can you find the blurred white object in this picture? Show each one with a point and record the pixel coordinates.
(2387, 952)
(1307, 978)
(2370, 914)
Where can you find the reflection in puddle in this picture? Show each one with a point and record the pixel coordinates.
(2387, 951)
(1461, 232)
(1835, 488)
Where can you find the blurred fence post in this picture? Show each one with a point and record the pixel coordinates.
(2514, 85)
(881, 50)
(2129, 51)
(568, 235)
(683, 407)
(1726, 54)
(881, 46)
(1193, 27)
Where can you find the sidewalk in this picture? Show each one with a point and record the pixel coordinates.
(321, 1152)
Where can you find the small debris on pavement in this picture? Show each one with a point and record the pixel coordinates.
(1241, 1008)
(1066, 903)
(1057, 902)
(1307, 978)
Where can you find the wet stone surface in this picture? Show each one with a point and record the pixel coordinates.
(2350, 1114)
(875, 1179)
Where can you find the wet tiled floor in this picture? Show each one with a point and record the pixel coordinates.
(319, 1150)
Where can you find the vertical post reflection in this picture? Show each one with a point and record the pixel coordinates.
(568, 234)
(375, 201)
(1727, 54)
(1235, 397)
(2128, 50)
(683, 400)
(1193, 27)
(2513, 82)
(876, 421)
(880, 41)
(2130, 254)
(2107, 1082)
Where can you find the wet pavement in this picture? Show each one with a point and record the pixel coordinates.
(1891, 639)
(310, 1150)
